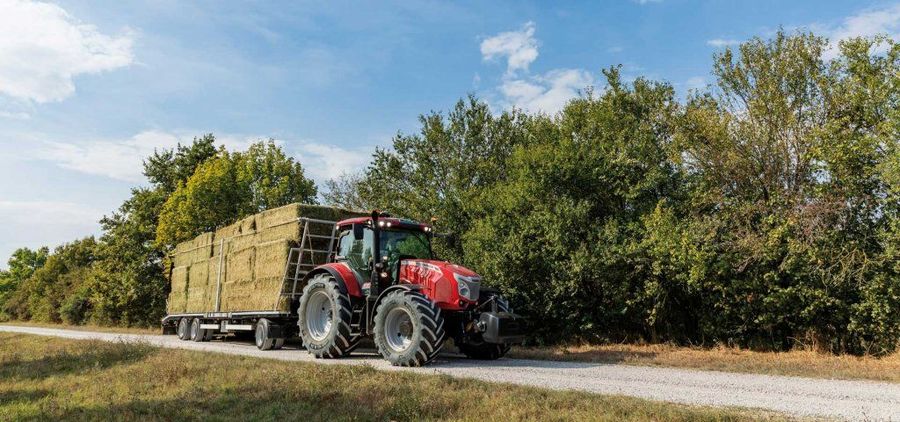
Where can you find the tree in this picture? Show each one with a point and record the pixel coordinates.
(440, 172)
(21, 265)
(559, 235)
(128, 285)
(229, 187)
(789, 195)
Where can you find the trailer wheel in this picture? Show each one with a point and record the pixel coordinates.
(198, 334)
(477, 349)
(409, 328)
(324, 319)
(263, 341)
(183, 330)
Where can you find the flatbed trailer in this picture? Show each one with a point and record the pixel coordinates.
(278, 325)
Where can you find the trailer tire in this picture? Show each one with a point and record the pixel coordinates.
(479, 350)
(325, 314)
(183, 330)
(197, 334)
(409, 328)
(261, 337)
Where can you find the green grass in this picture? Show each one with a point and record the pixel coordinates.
(56, 379)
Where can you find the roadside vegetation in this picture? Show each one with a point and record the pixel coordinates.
(56, 379)
(762, 212)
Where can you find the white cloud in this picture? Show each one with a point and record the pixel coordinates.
(120, 160)
(519, 47)
(123, 159)
(721, 42)
(42, 48)
(542, 93)
(547, 93)
(324, 161)
(867, 23)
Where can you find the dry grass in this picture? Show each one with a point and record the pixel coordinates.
(57, 379)
(798, 363)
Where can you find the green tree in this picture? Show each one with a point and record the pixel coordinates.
(229, 187)
(560, 235)
(128, 285)
(786, 155)
(42, 294)
(440, 172)
(21, 265)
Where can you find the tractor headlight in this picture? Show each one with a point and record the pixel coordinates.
(468, 286)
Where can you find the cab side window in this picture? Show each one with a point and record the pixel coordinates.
(357, 252)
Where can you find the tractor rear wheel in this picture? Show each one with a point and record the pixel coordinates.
(183, 329)
(324, 318)
(409, 328)
(477, 348)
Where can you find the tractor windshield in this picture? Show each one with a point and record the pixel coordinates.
(405, 243)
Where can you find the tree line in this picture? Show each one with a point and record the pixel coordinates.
(762, 211)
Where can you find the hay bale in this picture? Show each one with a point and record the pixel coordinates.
(256, 249)
(198, 282)
(271, 258)
(178, 295)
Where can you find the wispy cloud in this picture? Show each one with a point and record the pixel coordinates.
(123, 159)
(643, 2)
(548, 92)
(519, 47)
(721, 42)
(44, 223)
(42, 48)
(866, 23)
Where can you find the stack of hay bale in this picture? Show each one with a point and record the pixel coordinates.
(251, 272)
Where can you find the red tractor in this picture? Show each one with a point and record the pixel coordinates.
(385, 282)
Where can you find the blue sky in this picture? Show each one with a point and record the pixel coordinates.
(88, 89)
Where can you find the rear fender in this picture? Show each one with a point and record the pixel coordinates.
(343, 275)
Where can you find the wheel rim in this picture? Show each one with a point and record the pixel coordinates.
(181, 328)
(398, 326)
(260, 334)
(319, 316)
(195, 329)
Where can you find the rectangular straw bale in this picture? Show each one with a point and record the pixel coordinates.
(178, 295)
(198, 281)
(271, 258)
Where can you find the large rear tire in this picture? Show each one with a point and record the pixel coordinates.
(409, 328)
(478, 349)
(324, 318)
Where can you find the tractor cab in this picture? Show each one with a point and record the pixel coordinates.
(398, 239)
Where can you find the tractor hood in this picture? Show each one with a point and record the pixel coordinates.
(452, 284)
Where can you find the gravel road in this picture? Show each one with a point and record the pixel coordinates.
(803, 397)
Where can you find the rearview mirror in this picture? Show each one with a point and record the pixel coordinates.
(358, 231)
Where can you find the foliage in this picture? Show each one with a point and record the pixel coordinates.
(40, 296)
(231, 186)
(21, 265)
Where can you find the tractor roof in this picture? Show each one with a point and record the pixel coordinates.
(394, 222)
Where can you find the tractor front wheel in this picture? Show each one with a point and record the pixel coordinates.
(409, 328)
